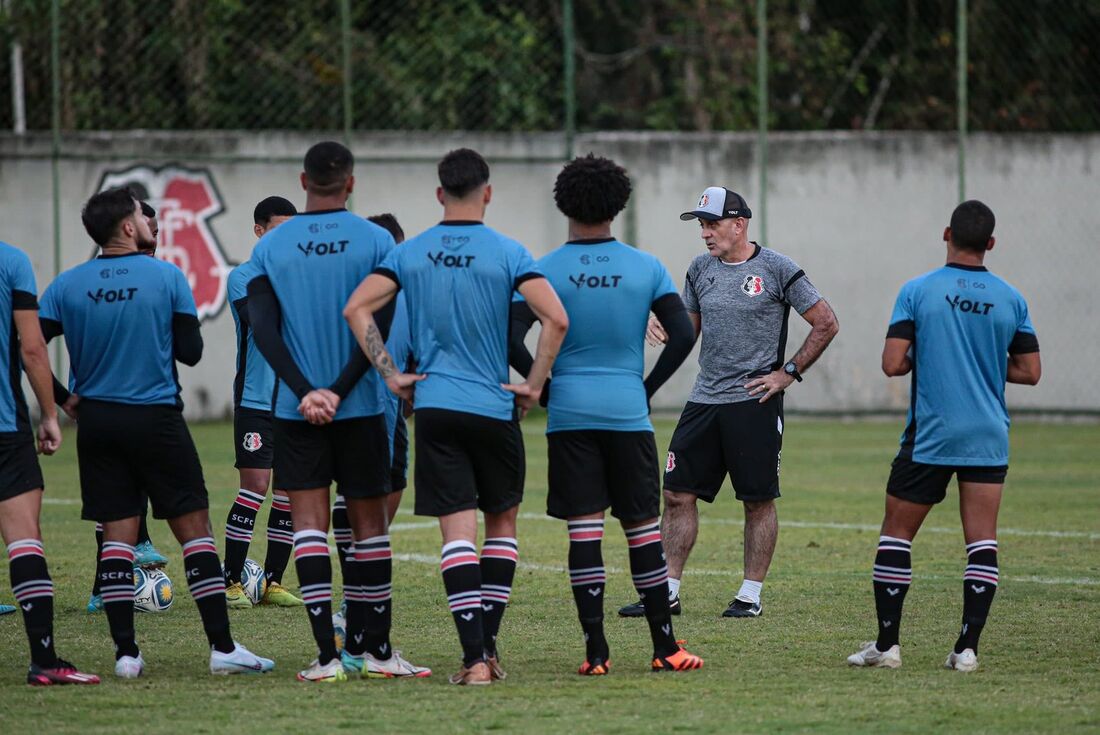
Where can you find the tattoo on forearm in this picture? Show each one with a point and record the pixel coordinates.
(376, 351)
(816, 342)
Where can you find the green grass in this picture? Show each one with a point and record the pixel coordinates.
(782, 672)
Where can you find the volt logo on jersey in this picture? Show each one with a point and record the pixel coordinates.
(967, 306)
(753, 285)
(451, 261)
(324, 248)
(112, 295)
(584, 280)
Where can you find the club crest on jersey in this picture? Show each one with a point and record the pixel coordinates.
(753, 285)
(670, 463)
(252, 442)
(186, 200)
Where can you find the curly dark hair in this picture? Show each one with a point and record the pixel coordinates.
(592, 189)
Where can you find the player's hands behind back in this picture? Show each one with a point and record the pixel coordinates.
(655, 334)
(527, 396)
(403, 385)
(49, 435)
(319, 406)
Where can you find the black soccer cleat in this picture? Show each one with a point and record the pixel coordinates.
(742, 609)
(637, 609)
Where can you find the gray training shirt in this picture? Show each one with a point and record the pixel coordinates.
(744, 309)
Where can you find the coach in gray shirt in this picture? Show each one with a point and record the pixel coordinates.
(739, 297)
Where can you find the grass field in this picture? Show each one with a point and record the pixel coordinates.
(782, 672)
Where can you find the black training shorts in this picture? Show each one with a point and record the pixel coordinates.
(927, 483)
(128, 451)
(591, 471)
(253, 438)
(399, 467)
(466, 461)
(743, 440)
(19, 469)
(353, 453)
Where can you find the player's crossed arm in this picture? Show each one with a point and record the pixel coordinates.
(371, 296)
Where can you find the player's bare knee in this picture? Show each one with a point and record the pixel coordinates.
(677, 502)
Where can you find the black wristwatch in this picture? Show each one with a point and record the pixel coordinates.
(791, 369)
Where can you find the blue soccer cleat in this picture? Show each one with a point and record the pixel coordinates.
(95, 604)
(7, 609)
(145, 555)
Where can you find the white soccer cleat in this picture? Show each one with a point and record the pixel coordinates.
(129, 667)
(393, 667)
(965, 661)
(869, 655)
(330, 672)
(239, 661)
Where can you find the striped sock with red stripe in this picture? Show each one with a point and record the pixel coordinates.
(498, 568)
(314, 564)
(33, 589)
(370, 601)
(588, 577)
(979, 586)
(650, 574)
(462, 580)
(892, 574)
(280, 538)
(239, 526)
(207, 585)
(116, 585)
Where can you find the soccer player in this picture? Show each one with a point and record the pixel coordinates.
(145, 554)
(127, 319)
(962, 332)
(21, 482)
(399, 344)
(253, 393)
(329, 423)
(739, 296)
(458, 278)
(601, 448)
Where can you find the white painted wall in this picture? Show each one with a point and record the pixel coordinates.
(860, 212)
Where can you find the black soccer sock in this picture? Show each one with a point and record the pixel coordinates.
(207, 585)
(143, 526)
(370, 603)
(280, 538)
(33, 589)
(345, 543)
(498, 568)
(116, 584)
(650, 574)
(588, 578)
(891, 576)
(98, 551)
(979, 586)
(239, 525)
(311, 559)
(462, 581)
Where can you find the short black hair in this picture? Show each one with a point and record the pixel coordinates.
(328, 165)
(972, 225)
(461, 171)
(592, 189)
(103, 213)
(391, 225)
(147, 210)
(272, 207)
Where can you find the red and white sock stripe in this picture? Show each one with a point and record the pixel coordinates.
(464, 601)
(581, 531)
(25, 547)
(316, 593)
(376, 548)
(457, 553)
(643, 535)
(310, 543)
(280, 502)
(202, 586)
(249, 499)
(651, 579)
(116, 550)
(505, 548)
(589, 575)
(280, 536)
(33, 588)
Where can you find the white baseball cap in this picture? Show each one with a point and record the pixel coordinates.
(718, 202)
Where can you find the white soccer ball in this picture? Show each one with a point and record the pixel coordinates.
(152, 590)
(254, 581)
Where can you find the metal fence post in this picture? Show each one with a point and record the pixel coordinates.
(55, 147)
(569, 70)
(762, 113)
(963, 103)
